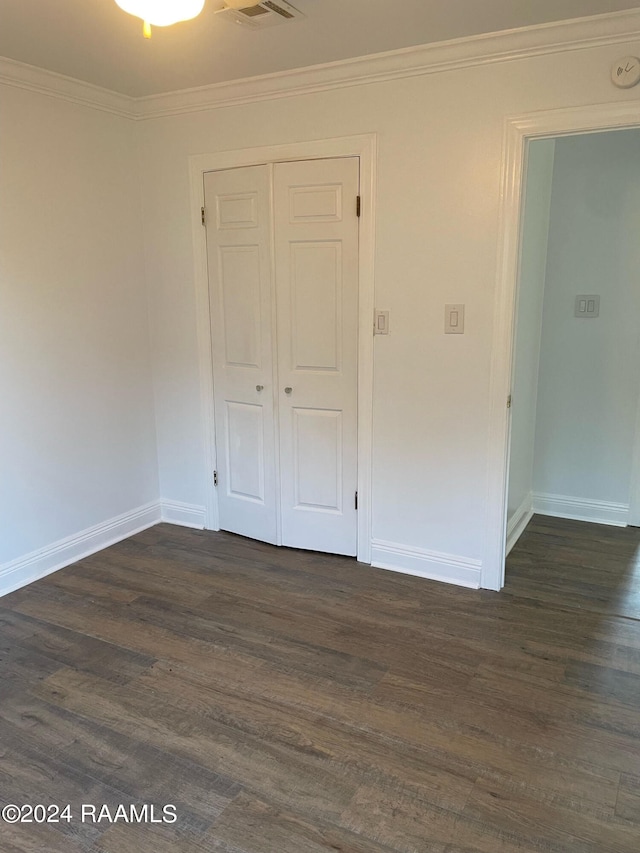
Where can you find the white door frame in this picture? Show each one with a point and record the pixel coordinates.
(364, 147)
(517, 133)
(634, 491)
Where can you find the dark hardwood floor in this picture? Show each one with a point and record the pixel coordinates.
(290, 702)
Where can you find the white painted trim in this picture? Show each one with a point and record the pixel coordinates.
(487, 49)
(366, 306)
(432, 565)
(364, 147)
(634, 484)
(205, 351)
(42, 82)
(518, 130)
(275, 407)
(523, 515)
(186, 515)
(581, 509)
(502, 357)
(44, 561)
(518, 521)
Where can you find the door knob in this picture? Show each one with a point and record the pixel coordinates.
(288, 389)
(259, 387)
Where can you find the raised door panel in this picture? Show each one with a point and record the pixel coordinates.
(241, 297)
(239, 275)
(236, 211)
(315, 203)
(316, 305)
(245, 451)
(317, 434)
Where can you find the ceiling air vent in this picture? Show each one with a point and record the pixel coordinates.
(257, 16)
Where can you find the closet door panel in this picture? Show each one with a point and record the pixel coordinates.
(238, 203)
(316, 261)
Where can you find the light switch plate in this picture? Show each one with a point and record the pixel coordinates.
(380, 322)
(454, 319)
(587, 306)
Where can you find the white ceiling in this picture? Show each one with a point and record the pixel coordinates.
(95, 41)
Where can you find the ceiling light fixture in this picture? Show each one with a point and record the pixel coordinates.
(162, 13)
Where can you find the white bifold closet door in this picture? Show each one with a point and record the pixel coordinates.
(282, 246)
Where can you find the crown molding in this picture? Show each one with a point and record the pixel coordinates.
(43, 82)
(504, 46)
(540, 40)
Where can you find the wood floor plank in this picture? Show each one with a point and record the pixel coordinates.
(123, 838)
(188, 638)
(256, 826)
(293, 702)
(438, 760)
(311, 650)
(125, 764)
(354, 637)
(605, 681)
(94, 584)
(38, 838)
(172, 726)
(628, 804)
(20, 667)
(549, 826)
(118, 582)
(62, 647)
(297, 717)
(31, 775)
(551, 768)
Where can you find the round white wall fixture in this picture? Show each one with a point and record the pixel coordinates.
(625, 72)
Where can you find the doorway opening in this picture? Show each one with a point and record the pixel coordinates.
(575, 417)
(520, 131)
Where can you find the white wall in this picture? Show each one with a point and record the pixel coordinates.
(589, 378)
(440, 144)
(77, 433)
(533, 262)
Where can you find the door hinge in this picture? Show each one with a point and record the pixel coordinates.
(215, 478)
(358, 205)
(509, 401)
(356, 501)
(202, 216)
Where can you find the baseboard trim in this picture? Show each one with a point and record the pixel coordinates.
(186, 515)
(581, 509)
(45, 561)
(518, 522)
(431, 565)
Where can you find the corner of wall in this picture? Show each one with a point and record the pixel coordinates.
(38, 564)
